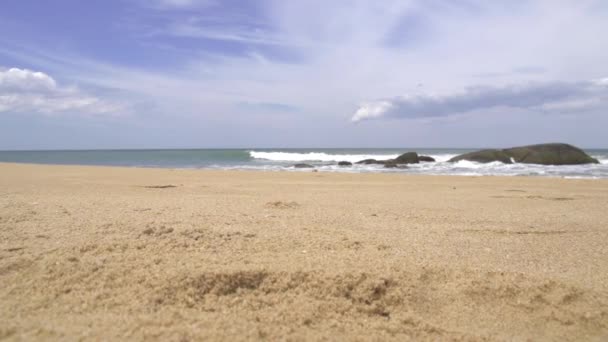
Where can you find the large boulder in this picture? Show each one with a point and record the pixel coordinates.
(345, 163)
(484, 156)
(550, 154)
(545, 154)
(371, 161)
(426, 159)
(407, 158)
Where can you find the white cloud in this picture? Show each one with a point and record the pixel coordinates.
(545, 97)
(23, 90)
(372, 110)
(23, 79)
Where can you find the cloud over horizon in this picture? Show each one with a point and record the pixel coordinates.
(543, 97)
(23, 90)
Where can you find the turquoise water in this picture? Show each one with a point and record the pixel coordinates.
(186, 158)
(140, 158)
(283, 159)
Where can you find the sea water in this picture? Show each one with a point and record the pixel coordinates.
(279, 159)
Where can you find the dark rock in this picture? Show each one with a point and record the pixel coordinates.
(371, 161)
(545, 154)
(345, 163)
(390, 165)
(426, 159)
(550, 154)
(484, 156)
(303, 166)
(407, 158)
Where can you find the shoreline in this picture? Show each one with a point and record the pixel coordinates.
(303, 171)
(225, 255)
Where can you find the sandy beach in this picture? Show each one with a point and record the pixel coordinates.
(103, 253)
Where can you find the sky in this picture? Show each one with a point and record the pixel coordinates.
(284, 73)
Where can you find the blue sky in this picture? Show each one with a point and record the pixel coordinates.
(226, 73)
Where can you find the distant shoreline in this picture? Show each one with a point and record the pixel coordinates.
(296, 171)
(323, 160)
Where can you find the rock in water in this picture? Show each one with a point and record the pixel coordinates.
(426, 159)
(390, 165)
(544, 154)
(303, 166)
(407, 158)
(370, 161)
(345, 163)
(484, 156)
(393, 165)
(550, 154)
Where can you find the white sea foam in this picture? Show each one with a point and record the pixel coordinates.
(327, 162)
(317, 156)
(442, 157)
(462, 168)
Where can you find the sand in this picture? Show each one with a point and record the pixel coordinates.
(101, 253)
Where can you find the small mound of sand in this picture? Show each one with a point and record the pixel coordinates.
(431, 303)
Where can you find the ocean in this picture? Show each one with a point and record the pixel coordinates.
(324, 160)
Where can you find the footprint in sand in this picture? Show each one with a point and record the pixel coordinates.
(521, 232)
(551, 198)
(159, 186)
(282, 205)
(536, 197)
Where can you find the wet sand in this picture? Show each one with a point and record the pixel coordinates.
(101, 253)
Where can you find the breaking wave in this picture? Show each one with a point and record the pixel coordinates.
(327, 162)
(317, 156)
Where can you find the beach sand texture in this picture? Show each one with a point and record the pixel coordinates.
(102, 253)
